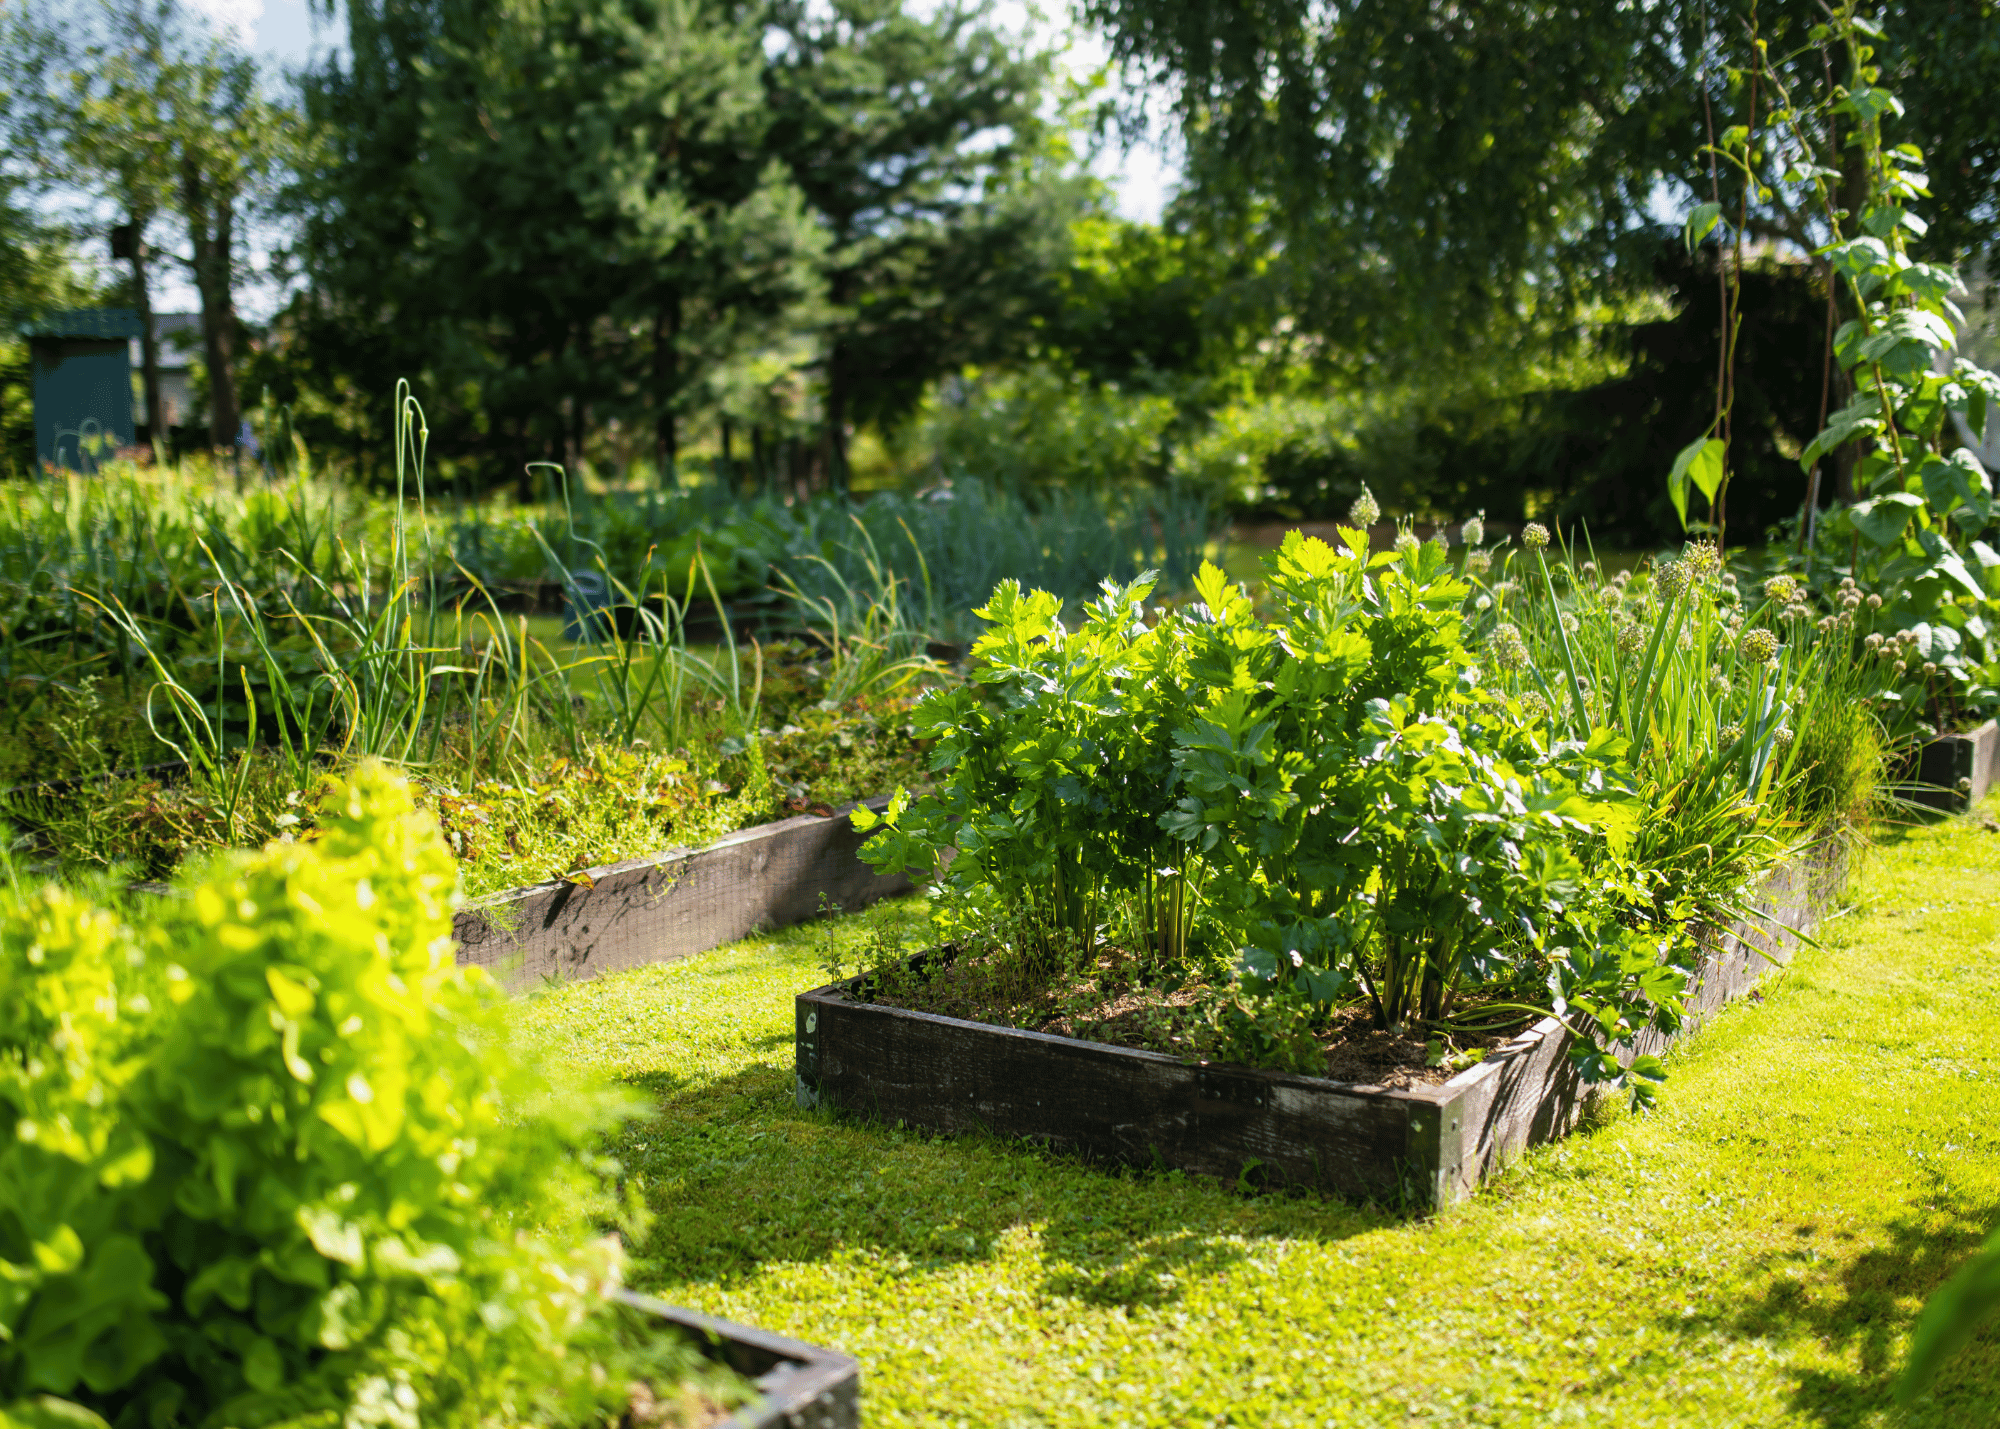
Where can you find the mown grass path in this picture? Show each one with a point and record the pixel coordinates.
(1751, 1254)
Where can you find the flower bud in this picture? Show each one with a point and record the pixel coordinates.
(1364, 512)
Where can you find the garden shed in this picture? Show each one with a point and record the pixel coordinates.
(82, 373)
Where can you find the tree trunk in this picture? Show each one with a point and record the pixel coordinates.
(149, 341)
(666, 387)
(211, 221)
(833, 439)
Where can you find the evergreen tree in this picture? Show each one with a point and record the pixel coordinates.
(562, 212)
(917, 138)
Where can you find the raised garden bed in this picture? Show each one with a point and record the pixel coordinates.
(672, 904)
(1973, 756)
(1425, 1146)
(801, 1386)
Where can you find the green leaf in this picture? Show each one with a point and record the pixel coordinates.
(45, 1411)
(1699, 462)
(1700, 223)
(1883, 519)
(1950, 1318)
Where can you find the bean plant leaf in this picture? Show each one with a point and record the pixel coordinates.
(1883, 519)
(1700, 223)
(1699, 462)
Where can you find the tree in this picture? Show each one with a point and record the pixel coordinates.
(914, 137)
(563, 212)
(160, 116)
(1426, 168)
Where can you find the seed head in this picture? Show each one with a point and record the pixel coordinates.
(1570, 624)
(1510, 652)
(1731, 733)
(1781, 736)
(1760, 647)
(1702, 558)
(1631, 635)
(1473, 532)
(1406, 543)
(1535, 536)
(1872, 640)
(1781, 590)
(1672, 579)
(1874, 602)
(1478, 562)
(1364, 512)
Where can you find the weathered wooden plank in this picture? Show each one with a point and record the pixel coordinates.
(1943, 762)
(799, 1386)
(672, 904)
(1109, 1103)
(1433, 1145)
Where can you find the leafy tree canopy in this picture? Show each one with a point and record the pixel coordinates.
(1424, 167)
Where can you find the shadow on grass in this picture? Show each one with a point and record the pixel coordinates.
(739, 1176)
(1853, 1311)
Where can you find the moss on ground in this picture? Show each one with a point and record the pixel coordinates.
(1751, 1254)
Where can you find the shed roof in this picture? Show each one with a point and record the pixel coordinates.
(110, 323)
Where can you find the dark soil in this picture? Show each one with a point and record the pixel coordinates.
(1110, 1004)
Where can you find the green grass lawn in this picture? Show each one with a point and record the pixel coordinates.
(1751, 1254)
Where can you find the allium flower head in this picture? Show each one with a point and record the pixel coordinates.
(1874, 602)
(1760, 647)
(1535, 536)
(1510, 652)
(1534, 707)
(1781, 590)
(1406, 543)
(1570, 624)
(1365, 512)
(1473, 532)
(1731, 733)
(1672, 579)
(1781, 736)
(1703, 560)
(1478, 562)
(1631, 635)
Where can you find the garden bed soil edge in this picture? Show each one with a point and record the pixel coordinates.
(1426, 1146)
(801, 1386)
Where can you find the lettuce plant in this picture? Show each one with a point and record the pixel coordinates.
(310, 1185)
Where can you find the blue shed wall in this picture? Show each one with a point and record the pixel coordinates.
(83, 390)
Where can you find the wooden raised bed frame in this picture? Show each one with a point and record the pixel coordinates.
(802, 1386)
(673, 904)
(1942, 762)
(1427, 1146)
